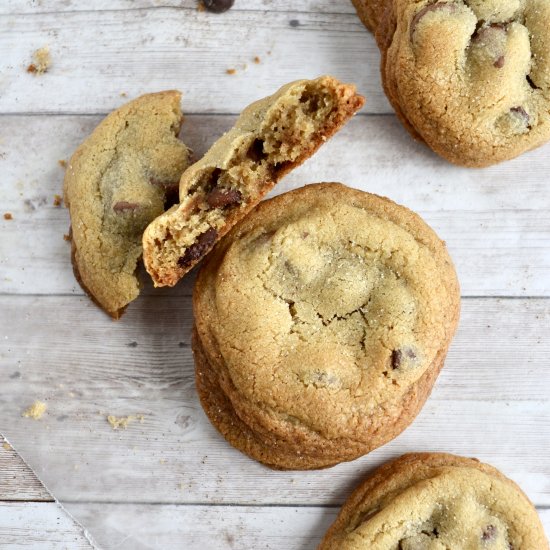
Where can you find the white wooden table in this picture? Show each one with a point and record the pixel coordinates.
(171, 481)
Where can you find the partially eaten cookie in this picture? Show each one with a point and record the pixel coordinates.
(271, 137)
(120, 179)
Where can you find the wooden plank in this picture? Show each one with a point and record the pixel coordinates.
(41, 525)
(97, 55)
(491, 401)
(499, 242)
(17, 481)
(31, 6)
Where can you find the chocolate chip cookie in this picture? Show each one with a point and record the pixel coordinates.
(270, 138)
(471, 78)
(116, 183)
(435, 501)
(321, 323)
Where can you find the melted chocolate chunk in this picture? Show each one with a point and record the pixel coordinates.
(489, 533)
(199, 248)
(218, 6)
(499, 63)
(256, 151)
(124, 206)
(522, 114)
(398, 355)
(396, 358)
(222, 198)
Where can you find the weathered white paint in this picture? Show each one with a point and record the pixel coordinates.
(172, 481)
(497, 236)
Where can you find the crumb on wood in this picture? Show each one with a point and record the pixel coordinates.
(57, 200)
(8, 216)
(231, 71)
(6, 446)
(257, 59)
(67, 237)
(35, 411)
(200, 7)
(62, 163)
(41, 61)
(123, 94)
(123, 421)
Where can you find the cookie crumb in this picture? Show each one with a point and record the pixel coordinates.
(42, 61)
(8, 216)
(62, 163)
(121, 422)
(57, 200)
(123, 94)
(231, 71)
(35, 411)
(6, 446)
(200, 7)
(257, 59)
(67, 237)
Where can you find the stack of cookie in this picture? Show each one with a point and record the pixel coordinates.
(321, 324)
(470, 78)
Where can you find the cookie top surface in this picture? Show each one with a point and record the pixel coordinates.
(471, 76)
(325, 303)
(434, 501)
(115, 184)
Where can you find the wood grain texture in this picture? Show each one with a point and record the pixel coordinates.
(17, 481)
(490, 402)
(264, 6)
(96, 55)
(39, 525)
(150, 527)
(497, 239)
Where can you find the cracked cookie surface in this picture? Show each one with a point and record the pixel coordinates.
(471, 78)
(325, 317)
(436, 501)
(116, 183)
(271, 137)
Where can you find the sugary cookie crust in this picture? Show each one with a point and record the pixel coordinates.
(115, 184)
(271, 137)
(300, 310)
(470, 78)
(436, 501)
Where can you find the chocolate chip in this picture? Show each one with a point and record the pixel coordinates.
(427, 9)
(521, 113)
(396, 358)
(489, 533)
(199, 248)
(256, 151)
(499, 63)
(218, 6)
(222, 198)
(124, 206)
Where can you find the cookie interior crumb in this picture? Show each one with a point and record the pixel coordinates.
(8, 216)
(36, 410)
(42, 61)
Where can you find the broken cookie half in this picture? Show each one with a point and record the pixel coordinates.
(271, 137)
(119, 180)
